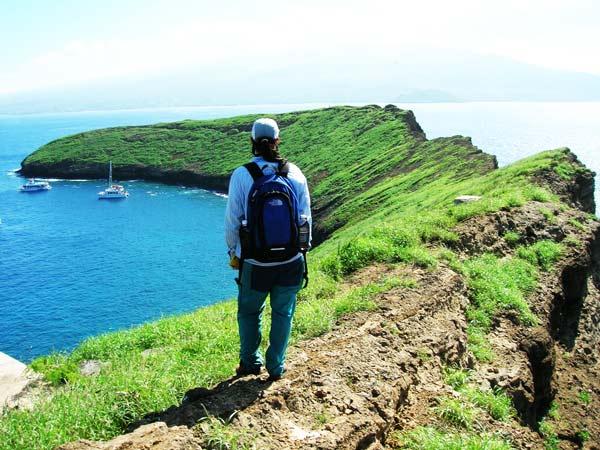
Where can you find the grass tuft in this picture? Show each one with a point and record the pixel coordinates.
(456, 377)
(496, 403)
(585, 397)
(542, 254)
(512, 238)
(429, 438)
(456, 413)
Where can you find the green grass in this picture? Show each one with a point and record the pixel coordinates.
(583, 436)
(499, 284)
(429, 438)
(548, 215)
(504, 284)
(577, 224)
(456, 413)
(495, 402)
(456, 377)
(585, 397)
(572, 241)
(554, 411)
(551, 440)
(323, 417)
(218, 435)
(543, 253)
(512, 238)
(380, 191)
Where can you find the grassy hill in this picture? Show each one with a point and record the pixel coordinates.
(343, 151)
(382, 193)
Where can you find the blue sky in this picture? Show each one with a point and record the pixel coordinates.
(60, 43)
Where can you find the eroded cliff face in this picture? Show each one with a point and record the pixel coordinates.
(382, 373)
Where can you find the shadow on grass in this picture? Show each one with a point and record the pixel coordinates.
(234, 394)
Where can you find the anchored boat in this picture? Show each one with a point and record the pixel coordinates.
(34, 185)
(112, 191)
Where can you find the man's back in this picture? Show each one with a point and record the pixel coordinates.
(237, 206)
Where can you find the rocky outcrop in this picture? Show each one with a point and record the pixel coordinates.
(19, 386)
(577, 190)
(155, 436)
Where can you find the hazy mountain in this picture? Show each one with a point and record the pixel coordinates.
(411, 77)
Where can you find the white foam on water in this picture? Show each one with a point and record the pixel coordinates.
(65, 180)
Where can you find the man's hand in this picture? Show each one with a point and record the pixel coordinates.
(234, 262)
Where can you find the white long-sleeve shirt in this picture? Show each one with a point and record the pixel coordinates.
(239, 187)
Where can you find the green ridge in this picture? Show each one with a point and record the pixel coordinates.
(342, 150)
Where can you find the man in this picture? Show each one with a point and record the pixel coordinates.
(281, 278)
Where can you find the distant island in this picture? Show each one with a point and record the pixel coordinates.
(411, 77)
(452, 303)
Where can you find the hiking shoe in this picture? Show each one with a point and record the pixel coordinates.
(273, 378)
(243, 370)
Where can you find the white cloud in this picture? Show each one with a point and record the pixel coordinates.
(552, 33)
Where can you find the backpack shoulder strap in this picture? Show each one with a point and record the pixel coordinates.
(284, 169)
(254, 170)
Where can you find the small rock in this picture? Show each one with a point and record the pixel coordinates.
(90, 367)
(320, 393)
(485, 385)
(466, 199)
(276, 403)
(149, 352)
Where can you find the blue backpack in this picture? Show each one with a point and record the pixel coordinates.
(273, 231)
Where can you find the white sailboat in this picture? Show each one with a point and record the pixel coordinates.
(113, 191)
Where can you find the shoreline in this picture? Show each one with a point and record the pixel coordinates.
(214, 183)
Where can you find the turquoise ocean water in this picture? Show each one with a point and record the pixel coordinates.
(72, 266)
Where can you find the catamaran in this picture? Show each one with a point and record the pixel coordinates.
(112, 191)
(34, 185)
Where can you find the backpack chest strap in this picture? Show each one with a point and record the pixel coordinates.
(284, 169)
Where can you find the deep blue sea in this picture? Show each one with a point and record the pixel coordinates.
(72, 266)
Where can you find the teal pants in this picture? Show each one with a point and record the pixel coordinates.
(281, 283)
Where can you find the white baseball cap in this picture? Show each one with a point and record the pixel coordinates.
(265, 128)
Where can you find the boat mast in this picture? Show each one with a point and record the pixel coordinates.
(109, 173)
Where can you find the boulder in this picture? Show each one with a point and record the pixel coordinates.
(466, 199)
(15, 380)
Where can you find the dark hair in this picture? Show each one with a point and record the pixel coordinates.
(268, 149)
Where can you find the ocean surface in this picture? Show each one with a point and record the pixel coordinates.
(72, 266)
